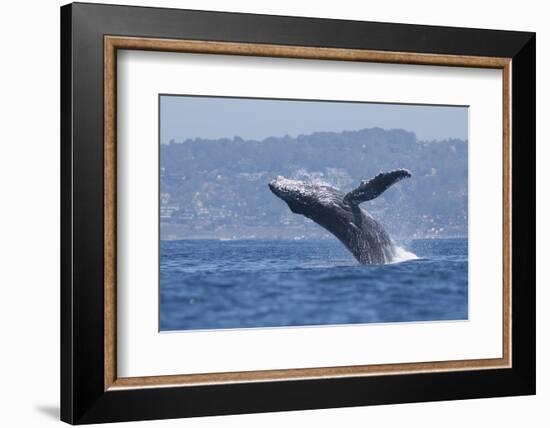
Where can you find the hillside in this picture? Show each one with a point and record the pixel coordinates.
(218, 188)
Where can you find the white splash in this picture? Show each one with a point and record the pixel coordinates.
(402, 255)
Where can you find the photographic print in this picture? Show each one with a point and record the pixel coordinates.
(280, 212)
(301, 199)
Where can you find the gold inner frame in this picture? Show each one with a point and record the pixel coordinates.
(113, 43)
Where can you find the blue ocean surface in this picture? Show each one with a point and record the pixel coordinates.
(213, 284)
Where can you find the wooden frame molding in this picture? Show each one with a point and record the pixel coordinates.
(113, 43)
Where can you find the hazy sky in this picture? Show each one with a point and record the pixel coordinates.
(184, 117)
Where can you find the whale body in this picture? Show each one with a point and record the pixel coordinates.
(340, 213)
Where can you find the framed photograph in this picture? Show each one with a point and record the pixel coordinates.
(265, 213)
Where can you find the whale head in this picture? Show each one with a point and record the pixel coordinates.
(305, 198)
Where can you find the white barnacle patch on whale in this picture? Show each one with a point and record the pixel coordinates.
(321, 192)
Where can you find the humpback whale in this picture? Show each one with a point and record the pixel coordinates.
(340, 214)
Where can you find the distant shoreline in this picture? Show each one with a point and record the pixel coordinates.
(398, 239)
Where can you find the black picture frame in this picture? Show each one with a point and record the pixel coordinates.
(83, 398)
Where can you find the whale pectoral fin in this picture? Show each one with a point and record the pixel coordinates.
(374, 187)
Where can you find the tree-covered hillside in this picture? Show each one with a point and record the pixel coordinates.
(218, 188)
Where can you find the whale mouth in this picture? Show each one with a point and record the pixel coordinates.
(273, 186)
(278, 185)
(290, 191)
(275, 191)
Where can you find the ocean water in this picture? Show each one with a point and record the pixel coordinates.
(212, 284)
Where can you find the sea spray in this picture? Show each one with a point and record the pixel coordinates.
(402, 255)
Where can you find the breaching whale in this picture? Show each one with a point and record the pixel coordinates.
(340, 214)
